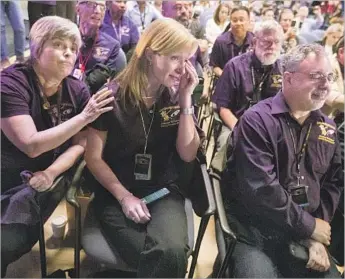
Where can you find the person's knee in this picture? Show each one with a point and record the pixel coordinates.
(250, 262)
(174, 253)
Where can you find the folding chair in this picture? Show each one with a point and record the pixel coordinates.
(94, 242)
(226, 238)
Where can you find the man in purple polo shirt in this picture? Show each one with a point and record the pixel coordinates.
(284, 178)
(232, 43)
(99, 55)
(250, 77)
(119, 26)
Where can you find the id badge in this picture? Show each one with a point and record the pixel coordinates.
(299, 195)
(77, 73)
(142, 168)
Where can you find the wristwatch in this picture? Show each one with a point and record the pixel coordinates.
(187, 111)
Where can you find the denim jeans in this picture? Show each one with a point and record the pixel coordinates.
(12, 9)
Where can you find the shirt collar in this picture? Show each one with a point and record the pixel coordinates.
(279, 106)
(232, 38)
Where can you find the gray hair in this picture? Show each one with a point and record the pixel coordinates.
(290, 61)
(51, 27)
(269, 25)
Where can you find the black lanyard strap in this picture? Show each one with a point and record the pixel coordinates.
(299, 155)
(257, 87)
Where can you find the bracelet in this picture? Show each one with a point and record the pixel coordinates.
(187, 111)
(121, 201)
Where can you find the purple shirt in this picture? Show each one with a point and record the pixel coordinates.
(263, 168)
(104, 50)
(20, 96)
(225, 48)
(126, 32)
(235, 87)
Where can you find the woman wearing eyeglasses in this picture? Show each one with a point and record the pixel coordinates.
(43, 112)
(132, 152)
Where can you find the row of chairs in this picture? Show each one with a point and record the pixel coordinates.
(204, 200)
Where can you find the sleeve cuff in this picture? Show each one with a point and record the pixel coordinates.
(306, 226)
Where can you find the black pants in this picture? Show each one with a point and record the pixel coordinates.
(38, 10)
(16, 240)
(157, 249)
(66, 9)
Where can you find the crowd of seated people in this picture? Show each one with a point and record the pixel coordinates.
(113, 81)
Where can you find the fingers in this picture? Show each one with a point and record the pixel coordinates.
(101, 104)
(133, 215)
(143, 217)
(145, 209)
(102, 94)
(39, 183)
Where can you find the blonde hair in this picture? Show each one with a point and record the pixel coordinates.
(334, 28)
(164, 37)
(51, 27)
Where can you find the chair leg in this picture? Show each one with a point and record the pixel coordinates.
(225, 263)
(42, 245)
(202, 228)
(77, 244)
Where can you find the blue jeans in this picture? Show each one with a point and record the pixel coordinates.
(12, 9)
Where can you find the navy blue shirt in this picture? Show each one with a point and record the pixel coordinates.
(235, 87)
(225, 48)
(125, 32)
(104, 49)
(263, 167)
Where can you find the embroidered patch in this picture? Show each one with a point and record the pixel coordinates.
(327, 132)
(276, 81)
(170, 116)
(101, 52)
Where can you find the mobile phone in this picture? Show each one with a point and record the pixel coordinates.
(156, 196)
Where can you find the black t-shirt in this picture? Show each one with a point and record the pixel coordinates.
(126, 138)
(20, 96)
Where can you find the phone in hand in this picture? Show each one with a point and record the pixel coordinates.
(156, 196)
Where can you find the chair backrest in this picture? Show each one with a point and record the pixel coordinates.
(194, 182)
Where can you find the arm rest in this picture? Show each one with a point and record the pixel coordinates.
(220, 208)
(71, 195)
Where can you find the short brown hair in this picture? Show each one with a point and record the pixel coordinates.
(216, 13)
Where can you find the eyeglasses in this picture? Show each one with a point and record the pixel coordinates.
(318, 77)
(93, 5)
(266, 43)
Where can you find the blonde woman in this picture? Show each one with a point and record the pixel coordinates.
(216, 25)
(332, 35)
(131, 152)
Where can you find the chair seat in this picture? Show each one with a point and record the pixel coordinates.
(96, 246)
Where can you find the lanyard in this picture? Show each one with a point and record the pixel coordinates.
(299, 155)
(257, 87)
(142, 120)
(83, 62)
(142, 19)
(46, 106)
(118, 30)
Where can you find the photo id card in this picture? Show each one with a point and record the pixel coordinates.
(142, 168)
(299, 195)
(77, 73)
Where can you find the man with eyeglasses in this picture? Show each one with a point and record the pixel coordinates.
(233, 43)
(250, 77)
(283, 181)
(99, 56)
